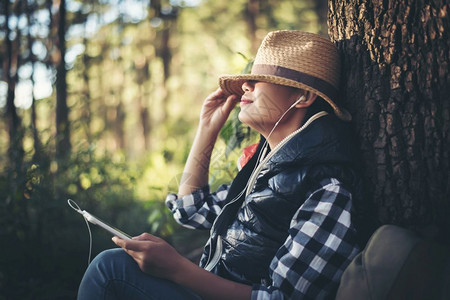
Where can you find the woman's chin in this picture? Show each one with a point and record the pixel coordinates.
(242, 116)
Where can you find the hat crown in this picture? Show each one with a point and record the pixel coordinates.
(298, 59)
(300, 51)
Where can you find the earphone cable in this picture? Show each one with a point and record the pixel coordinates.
(75, 206)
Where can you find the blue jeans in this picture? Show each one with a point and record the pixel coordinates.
(113, 274)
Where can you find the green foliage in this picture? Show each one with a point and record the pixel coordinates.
(46, 237)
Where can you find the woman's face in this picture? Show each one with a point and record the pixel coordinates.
(263, 104)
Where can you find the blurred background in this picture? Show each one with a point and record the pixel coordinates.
(100, 101)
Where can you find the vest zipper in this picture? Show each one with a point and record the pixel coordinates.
(216, 257)
(211, 262)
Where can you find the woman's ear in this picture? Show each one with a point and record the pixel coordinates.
(306, 100)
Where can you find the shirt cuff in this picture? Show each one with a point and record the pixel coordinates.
(174, 203)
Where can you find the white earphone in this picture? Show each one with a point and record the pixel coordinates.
(301, 99)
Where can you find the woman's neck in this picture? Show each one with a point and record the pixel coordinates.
(276, 138)
(278, 135)
(284, 128)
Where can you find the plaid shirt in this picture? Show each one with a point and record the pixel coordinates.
(320, 245)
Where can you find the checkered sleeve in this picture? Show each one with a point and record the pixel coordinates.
(320, 245)
(199, 209)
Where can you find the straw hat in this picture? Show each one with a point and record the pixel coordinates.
(297, 59)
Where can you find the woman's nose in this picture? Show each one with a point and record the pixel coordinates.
(247, 86)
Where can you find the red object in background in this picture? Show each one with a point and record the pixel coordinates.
(247, 154)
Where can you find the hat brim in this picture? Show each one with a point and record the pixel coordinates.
(232, 85)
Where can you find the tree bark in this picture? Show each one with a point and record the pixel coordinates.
(396, 83)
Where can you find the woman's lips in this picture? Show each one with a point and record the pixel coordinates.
(246, 101)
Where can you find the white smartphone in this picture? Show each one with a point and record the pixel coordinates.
(106, 226)
(94, 220)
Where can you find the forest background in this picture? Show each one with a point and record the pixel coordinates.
(100, 101)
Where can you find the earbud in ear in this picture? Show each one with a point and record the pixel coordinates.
(301, 99)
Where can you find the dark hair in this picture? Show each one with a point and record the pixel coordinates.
(319, 105)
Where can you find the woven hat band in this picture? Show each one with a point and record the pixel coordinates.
(303, 78)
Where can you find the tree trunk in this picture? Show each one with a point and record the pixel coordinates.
(142, 74)
(119, 124)
(251, 14)
(144, 117)
(62, 111)
(396, 83)
(86, 113)
(86, 92)
(15, 151)
(166, 56)
(321, 8)
(38, 149)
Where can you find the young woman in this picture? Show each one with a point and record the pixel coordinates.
(284, 228)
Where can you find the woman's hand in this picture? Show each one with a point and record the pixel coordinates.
(153, 255)
(216, 109)
(157, 258)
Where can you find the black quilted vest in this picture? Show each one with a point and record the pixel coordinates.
(255, 227)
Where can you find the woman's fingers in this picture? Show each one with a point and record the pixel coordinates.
(152, 254)
(217, 108)
(230, 103)
(218, 93)
(146, 236)
(133, 244)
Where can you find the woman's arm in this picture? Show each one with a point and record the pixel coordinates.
(157, 258)
(199, 209)
(215, 111)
